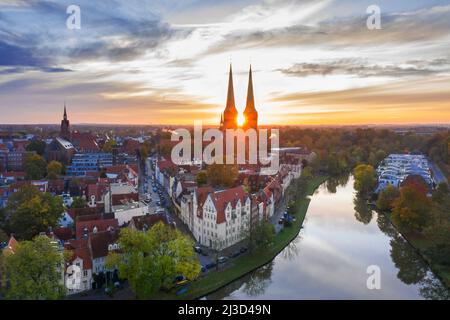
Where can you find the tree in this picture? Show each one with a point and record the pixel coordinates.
(410, 210)
(109, 145)
(386, 198)
(261, 235)
(79, 202)
(54, 170)
(201, 178)
(222, 175)
(365, 179)
(30, 212)
(35, 167)
(151, 260)
(34, 271)
(38, 146)
(3, 237)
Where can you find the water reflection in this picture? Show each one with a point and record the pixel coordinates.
(341, 237)
(363, 212)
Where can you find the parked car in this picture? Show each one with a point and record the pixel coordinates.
(203, 268)
(198, 249)
(222, 259)
(211, 265)
(234, 254)
(281, 221)
(243, 249)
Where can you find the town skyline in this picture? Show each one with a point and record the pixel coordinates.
(164, 63)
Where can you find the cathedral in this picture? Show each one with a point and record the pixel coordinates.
(229, 118)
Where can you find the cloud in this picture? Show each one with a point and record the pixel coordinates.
(397, 28)
(362, 68)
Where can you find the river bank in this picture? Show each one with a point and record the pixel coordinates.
(420, 245)
(256, 259)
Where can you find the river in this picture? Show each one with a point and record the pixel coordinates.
(330, 257)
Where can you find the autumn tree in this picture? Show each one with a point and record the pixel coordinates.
(35, 167)
(54, 170)
(30, 212)
(109, 145)
(151, 260)
(386, 198)
(34, 271)
(410, 210)
(365, 179)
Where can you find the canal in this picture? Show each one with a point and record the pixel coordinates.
(330, 257)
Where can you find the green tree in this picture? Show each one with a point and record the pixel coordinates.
(30, 212)
(34, 271)
(262, 235)
(3, 236)
(35, 167)
(38, 146)
(201, 178)
(54, 170)
(79, 202)
(221, 175)
(386, 198)
(410, 210)
(151, 260)
(365, 179)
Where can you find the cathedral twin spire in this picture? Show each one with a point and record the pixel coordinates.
(229, 118)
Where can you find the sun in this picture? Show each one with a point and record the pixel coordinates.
(240, 120)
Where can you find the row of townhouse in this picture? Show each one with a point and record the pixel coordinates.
(221, 218)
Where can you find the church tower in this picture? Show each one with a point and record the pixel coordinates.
(230, 115)
(250, 113)
(65, 126)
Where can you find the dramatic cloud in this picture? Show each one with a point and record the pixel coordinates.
(166, 61)
(361, 68)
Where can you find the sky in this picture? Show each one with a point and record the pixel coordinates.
(166, 61)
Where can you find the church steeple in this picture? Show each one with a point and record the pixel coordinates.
(250, 113)
(230, 114)
(65, 112)
(65, 126)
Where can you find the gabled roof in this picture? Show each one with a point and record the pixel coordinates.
(99, 242)
(12, 245)
(223, 198)
(102, 225)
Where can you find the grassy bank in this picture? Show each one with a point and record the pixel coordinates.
(422, 244)
(256, 259)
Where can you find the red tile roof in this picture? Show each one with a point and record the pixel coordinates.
(102, 225)
(231, 196)
(99, 242)
(12, 244)
(84, 254)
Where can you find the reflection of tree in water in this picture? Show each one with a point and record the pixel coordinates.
(290, 252)
(411, 267)
(333, 182)
(259, 280)
(432, 288)
(386, 226)
(363, 212)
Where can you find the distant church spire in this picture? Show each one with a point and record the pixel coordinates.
(64, 131)
(250, 113)
(65, 111)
